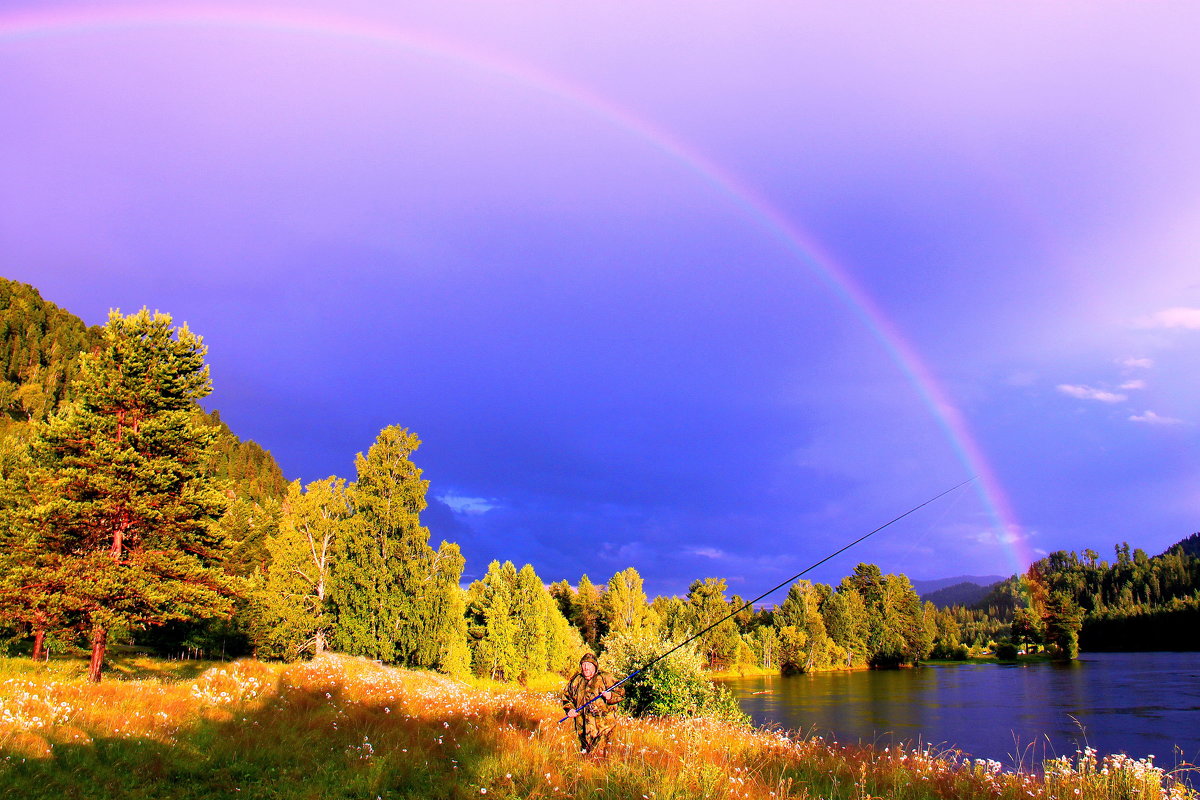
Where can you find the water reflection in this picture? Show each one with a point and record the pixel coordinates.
(1138, 703)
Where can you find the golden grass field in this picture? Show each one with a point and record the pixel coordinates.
(340, 727)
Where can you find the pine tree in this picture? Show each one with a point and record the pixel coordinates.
(124, 510)
(1062, 620)
(292, 609)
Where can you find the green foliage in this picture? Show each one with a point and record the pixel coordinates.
(1135, 602)
(946, 633)
(121, 526)
(515, 627)
(1062, 619)
(587, 613)
(394, 595)
(804, 642)
(624, 606)
(896, 632)
(1006, 651)
(492, 623)
(39, 348)
(291, 610)
(247, 470)
(705, 605)
(846, 622)
(676, 686)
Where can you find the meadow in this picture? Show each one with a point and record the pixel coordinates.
(340, 727)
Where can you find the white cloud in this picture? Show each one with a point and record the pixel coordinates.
(1009, 536)
(707, 552)
(1135, 384)
(1150, 418)
(1137, 363)
(1089, 393)
(467, 505)
(1178, 317)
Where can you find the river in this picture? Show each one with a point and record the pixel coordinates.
(1137, 703)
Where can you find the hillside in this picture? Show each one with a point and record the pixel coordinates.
(966, 593)
(1190, 545)
(936, 584)
(39, 347)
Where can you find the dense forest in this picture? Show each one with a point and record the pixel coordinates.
(1135, 602)
(130, 515)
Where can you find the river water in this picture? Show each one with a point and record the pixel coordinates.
(1136, 703)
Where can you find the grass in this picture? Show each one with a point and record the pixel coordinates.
(347, 728)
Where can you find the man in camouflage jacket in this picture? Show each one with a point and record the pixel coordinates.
(596, 722)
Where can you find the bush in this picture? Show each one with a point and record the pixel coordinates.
(1006, 651)
(674, 687)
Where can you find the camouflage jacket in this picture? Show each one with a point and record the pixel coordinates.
(579, 691)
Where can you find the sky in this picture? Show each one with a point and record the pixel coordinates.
(705, 289)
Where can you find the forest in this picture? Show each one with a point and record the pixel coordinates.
(130, 515)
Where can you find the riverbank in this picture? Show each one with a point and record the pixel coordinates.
(347, 728)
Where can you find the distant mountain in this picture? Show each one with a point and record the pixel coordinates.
(960, 594)
(926, 587)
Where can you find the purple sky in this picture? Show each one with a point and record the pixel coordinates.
(522, 231)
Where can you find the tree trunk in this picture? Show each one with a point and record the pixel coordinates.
(99, 647)
(39, 640)
(319, 645)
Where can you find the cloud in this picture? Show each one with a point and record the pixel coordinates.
(707, 552)
(1150, 418)
(1137, 363)
(1009, 536)
(1089, 393)
(1134, 384)
(1178, 317)
(467, 505)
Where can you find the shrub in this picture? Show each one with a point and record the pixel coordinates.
(1006, 651)
(674, 687)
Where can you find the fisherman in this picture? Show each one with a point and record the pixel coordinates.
(596, 722)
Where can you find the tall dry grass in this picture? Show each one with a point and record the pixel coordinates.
(340, 727)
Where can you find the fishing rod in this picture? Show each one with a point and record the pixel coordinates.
(774, 588)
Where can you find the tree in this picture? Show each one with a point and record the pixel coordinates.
(531, 612)
(624, 605)
(124, 510)
(846, 621)
(588, 613)
(492, 627)
(515, 626)
(393, 594)
(1062, 620)
(31, 597)
(705, 605)
(805, 644)
(292, 609)
(1026, 627)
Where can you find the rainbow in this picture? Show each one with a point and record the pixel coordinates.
(85, 21)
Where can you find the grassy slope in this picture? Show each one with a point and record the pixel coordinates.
(347, 728)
